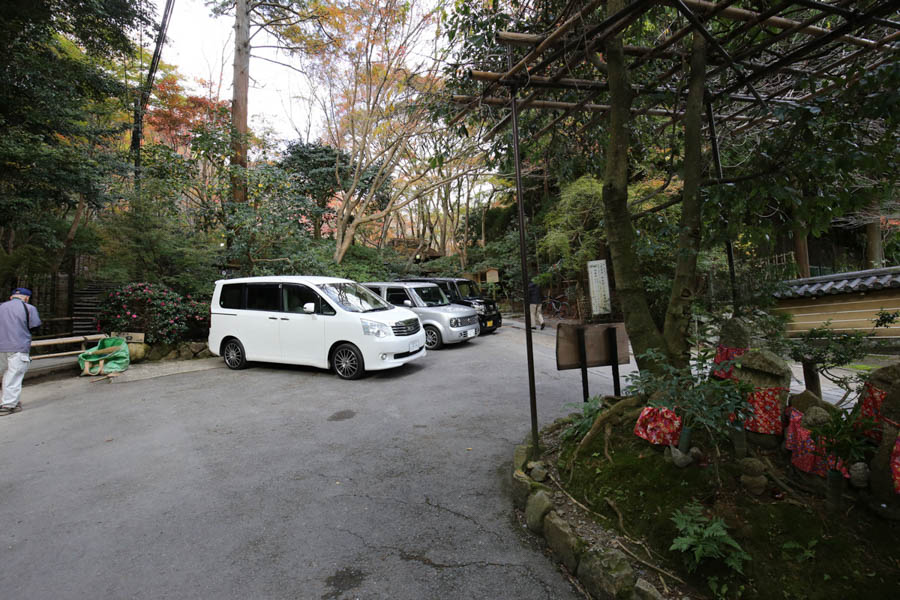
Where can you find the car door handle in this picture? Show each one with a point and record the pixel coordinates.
(273, 318)
(285, 319)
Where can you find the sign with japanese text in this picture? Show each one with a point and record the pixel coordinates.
(598, 283)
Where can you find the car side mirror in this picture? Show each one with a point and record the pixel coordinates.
(407, 303)
(309, 308)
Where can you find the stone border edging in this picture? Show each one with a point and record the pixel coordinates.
(604, 573)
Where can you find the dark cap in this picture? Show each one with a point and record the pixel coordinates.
(21, 292)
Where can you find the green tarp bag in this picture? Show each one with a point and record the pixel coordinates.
(113, 352)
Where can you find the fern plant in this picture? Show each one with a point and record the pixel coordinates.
(702, 538)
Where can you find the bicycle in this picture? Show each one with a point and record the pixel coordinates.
(556, 307)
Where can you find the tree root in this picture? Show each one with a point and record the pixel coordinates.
(572, 498)
(607, 432)
(615, 508)
(616, 414)
(770, 471)
(646, 564)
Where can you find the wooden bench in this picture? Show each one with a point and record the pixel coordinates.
(78, 339)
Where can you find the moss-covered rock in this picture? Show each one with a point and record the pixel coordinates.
(536, 508)
(159, 351)
(764, 369)
(806, 400)
(521, 488)
(606, 573)
(735, 333)
(562, 540)
(644, 590)
(521, 456)
(138, 351)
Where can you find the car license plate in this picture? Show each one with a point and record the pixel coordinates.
(413, 347)
(489, 324)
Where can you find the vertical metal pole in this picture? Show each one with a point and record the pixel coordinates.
(582, 359)
(614, 359)
(729, 249)
(529, 349)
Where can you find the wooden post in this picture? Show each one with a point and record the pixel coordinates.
(614, 355)
(582, 358)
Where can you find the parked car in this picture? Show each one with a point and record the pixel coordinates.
(444, 323)
(322, 322)
(466, 291)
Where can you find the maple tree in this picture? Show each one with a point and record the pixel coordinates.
(375, 86)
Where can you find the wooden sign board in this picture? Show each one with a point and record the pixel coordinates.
(135, 338)
(596, 345)
(492, 276)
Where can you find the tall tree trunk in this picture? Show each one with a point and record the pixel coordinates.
(70, 236)
(444, 199)
(874, 247)
(801, 250)
(464, 251)
(678, 318)
(385, 229)
(619, 230)
(483, 219)
(239, 100)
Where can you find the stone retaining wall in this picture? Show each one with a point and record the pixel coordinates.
(182, 351)
(603, 572)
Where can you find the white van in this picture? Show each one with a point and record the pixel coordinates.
(323, 322)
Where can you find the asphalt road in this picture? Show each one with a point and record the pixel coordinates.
(282, 482)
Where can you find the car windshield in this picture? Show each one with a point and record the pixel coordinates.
(431, 296)
(353, 297)
(468, 288)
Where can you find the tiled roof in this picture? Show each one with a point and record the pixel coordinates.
(841, 283)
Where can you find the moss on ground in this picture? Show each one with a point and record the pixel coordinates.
(797, 551)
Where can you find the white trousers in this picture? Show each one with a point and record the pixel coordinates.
(537, 319)
(14, 366)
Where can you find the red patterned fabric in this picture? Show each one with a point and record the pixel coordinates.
(723, 354)
(766, 417)
(873, 398)
(895, 465)
(658, 425)
(806, 455)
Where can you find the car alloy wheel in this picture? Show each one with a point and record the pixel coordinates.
(233, 353)
(432, 338)
(347, 362)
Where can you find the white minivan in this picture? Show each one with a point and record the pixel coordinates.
(323, 322)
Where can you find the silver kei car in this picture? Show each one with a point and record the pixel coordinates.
(444, 323)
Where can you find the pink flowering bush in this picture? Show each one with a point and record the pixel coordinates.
(160, 313)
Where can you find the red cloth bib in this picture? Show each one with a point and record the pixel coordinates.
(658, 425)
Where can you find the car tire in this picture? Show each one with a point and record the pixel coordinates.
(433, 339)
(347, 362)
(234, 355)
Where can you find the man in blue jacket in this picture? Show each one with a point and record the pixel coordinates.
(17, 319)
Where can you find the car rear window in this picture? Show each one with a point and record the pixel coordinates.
(232, 295)
(432, 296)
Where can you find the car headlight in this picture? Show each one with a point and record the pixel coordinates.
(454, 322)
(479, 308)
(375, 328)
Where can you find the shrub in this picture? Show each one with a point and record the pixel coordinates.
(160, 313)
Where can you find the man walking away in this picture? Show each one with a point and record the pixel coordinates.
(534, 304)
(17, 319)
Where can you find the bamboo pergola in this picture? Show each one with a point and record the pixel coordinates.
(761, 54)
